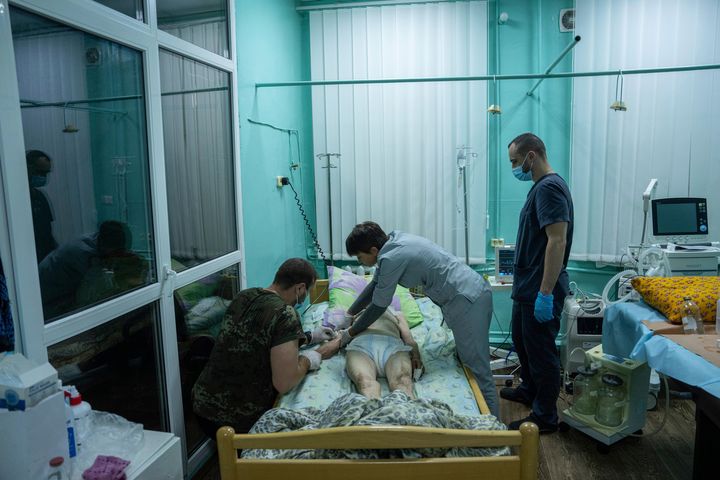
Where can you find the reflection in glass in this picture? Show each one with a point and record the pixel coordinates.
(115, 366)
(131, 8)
(83, 113)
(202, 22)
(197, 128)
(199, 310)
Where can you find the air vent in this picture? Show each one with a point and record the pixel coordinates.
(567, 19)
(93, 56)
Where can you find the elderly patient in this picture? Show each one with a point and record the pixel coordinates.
(386, 349)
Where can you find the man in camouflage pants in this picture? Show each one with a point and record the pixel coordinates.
(257, 353)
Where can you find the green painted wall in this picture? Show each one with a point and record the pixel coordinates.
(528, 43)
(272, 43)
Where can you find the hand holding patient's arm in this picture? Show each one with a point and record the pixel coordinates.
(330, 348)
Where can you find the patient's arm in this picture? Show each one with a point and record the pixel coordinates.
(407, 337)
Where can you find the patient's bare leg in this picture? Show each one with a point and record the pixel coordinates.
(363, 373)
(398, 372)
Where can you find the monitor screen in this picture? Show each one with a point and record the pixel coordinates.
(679, 216)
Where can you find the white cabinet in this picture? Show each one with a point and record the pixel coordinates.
(160, 458)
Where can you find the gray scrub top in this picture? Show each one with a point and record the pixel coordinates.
(411, 261)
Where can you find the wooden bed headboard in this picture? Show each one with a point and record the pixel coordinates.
(523, 466)
(320, 291)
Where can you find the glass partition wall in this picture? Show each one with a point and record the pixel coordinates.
(119, 170)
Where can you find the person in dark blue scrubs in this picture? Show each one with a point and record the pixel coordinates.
(540, 281)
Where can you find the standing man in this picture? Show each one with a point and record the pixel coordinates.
(463, 295)
(257, 353)
(38, 169)
(540, 281)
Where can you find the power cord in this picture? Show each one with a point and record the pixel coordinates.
(286, 181)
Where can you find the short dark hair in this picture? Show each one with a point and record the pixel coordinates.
(365, 236)
(32, 156)
(294, 271)
(113, 236)
(528, 141)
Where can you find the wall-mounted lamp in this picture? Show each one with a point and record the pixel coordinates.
(69, 127)
(618, 105)
(494, 108)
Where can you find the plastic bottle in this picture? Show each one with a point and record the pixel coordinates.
(691, 319)
(717, 318)
(57, 470)
(70, 425)
(81, 411)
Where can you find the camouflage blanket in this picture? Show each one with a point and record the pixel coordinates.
(354, 409)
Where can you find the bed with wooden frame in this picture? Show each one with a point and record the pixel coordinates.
(522, 465)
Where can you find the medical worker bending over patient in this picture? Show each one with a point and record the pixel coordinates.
(463, 295)
(257, 353)
(386, 349)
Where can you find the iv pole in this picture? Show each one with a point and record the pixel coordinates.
(462, 165)
(328, 167)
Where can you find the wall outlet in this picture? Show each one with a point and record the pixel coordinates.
(497, 242)
(278, 181)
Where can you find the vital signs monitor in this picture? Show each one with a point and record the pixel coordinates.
(680, 219)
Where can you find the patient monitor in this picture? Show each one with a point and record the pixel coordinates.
(679, 220)
(680, 225)
(504, 263)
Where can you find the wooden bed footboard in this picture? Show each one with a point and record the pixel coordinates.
(522, 466)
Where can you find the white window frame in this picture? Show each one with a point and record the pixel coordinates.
(16, 230)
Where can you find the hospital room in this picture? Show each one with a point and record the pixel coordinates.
(247, 239)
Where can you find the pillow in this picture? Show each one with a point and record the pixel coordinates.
(666, 295)
(346, 286)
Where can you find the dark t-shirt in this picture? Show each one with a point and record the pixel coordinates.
(548, 202)
(42, 224)
(236, 388)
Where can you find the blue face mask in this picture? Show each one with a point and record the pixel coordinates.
(38, 180)
(519, 174)
(299, 302)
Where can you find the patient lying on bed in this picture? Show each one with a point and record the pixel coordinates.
(386, 349)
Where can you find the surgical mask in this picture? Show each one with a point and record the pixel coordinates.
(518, 171)
(299, 301)
(38, 180)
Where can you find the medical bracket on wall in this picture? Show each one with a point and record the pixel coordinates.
(328, 165)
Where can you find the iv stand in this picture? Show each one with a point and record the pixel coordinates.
(328, 167)
(462, 165)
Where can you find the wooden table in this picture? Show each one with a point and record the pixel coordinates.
(707, 407)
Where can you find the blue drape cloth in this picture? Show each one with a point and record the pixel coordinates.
(624, 335)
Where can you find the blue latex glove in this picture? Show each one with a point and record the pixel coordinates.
(544, 307)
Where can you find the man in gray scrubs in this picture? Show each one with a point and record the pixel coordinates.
(463, 295)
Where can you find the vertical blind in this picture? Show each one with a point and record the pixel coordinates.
(669, 130)
(398, 143)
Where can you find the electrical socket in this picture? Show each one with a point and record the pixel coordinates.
(497, 242)
(279, 181)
